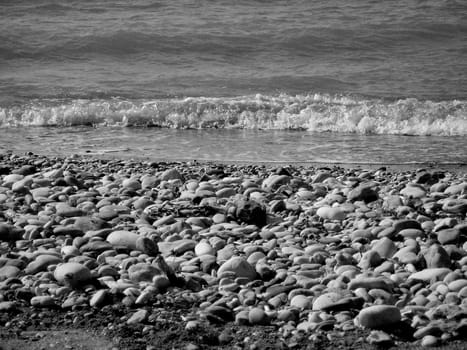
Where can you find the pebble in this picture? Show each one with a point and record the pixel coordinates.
(307, 250)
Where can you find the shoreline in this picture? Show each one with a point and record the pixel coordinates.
(336, 255)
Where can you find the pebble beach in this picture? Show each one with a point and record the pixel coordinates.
(309, 254)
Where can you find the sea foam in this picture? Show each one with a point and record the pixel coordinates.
(314, 112)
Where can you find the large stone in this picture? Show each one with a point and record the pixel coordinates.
(8, 271)
(385, 247)
(428, 275)
(379, 316)
(171, 174)
(326, 300)
(142, 272)
(413, 191)
(147, 246)
(371, 283)
(177, 247)
(331, 213)
(436, 256)
(405, 224)
(274, 181)
(123, 239)
(72, 273)
(40, 263)
(5, 231)
(239, 267)
(448, 236)
(65, 210)
(363, 193)
(251, 212)
(257, 316)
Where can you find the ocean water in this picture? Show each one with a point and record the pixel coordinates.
(359, 81)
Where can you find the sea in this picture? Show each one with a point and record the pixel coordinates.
(325, 81)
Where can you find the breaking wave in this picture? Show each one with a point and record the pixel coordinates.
(318, 113)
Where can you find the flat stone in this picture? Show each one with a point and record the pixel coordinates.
(379, 316)
(177, 247)
(427, 275)
(371, 283)
(65, 210)
(403, 224)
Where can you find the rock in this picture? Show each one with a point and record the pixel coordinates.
(7, 306)
(5, 231)
(131, 184)
(448, 236)
(362, 193)
(274, 181)
(41, 263)
(239, 267)
(436, 256)
(139, 316)
(301, 302)
(385, 247)
(413, 191)
(429, 341)
(204, 248)
(8, 271)
(99, 298)
(371, 283)
(41, 193)
(67, 211)
(147, 246)
(331, 213)
(72, 273)
(171, 174)
(95, 247)
(403, 224)
(326, 300)
(380, 339)
(251, 212)
(379, 316)
(142, 272)
(123, 238)
(219, 314)
(257, 316)
(427, 275)
(177, 247)
(43, 301)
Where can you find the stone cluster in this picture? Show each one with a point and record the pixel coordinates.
(309, 250)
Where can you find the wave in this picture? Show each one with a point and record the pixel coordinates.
(314, 112)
